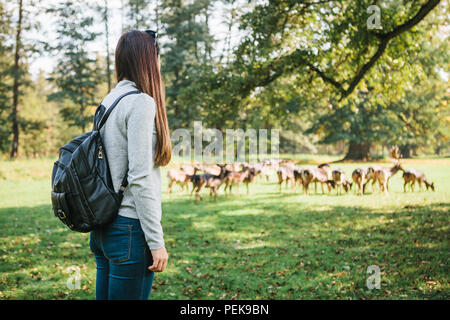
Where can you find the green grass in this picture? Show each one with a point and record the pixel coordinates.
(268, 245)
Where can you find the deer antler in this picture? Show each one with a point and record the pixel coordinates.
(395, 154)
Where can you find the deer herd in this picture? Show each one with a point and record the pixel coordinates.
(233, 175)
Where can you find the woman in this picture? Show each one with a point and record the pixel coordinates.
(137, 141)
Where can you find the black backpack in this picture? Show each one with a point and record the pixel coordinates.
(83, 195)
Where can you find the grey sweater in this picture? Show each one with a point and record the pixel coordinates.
(129, 137)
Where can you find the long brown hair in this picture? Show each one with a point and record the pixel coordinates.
(137, 59)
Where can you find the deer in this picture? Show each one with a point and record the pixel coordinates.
(285, 174)
(298, 176)
(234, 178)
(176, 176)
(324, 169)
(359, 177)
(371, 177)
(341, 181)
(211, 181)
(287, 163)
(412, 176)
(250, 177)
(182, 176)
(316, 175)
(191, 169)
(261, 169)
(383, 175)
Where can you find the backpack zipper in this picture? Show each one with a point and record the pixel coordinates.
(100, 152)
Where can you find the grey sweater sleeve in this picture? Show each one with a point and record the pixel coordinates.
(144, 179)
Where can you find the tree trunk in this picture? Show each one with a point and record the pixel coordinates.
(108, 63)
(358, 151)
(405, 150)
(15, 124)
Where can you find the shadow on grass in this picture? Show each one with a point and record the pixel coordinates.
(257, 247)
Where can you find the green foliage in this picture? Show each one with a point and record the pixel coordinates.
(305, 56)
(187, 57)
(396, 108)
(297, 65)
(137, 14)
(77, 73)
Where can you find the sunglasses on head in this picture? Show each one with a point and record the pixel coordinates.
(152, 33)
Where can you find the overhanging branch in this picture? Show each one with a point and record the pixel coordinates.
(297, 58)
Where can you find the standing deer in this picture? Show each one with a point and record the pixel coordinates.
(371, 177)
(234, 178)
(250, 177)
(323, 169)
(261, 169)
(176, 176)
(412, 176)
(383, 175)
(359, 177)
(285, 174)
(315, 175)
(340, 181)
(211, 181)
(298, 176)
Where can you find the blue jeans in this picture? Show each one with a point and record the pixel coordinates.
(123, 258)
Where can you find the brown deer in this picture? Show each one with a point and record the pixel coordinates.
(298, 176)
(249, 178)
(412, 176)
(325, 168)
(286, 174)
(261, 169)
(234, 178)
(315, 175)
(340, 181)
(383, 175)
(359, 177)
(371, 177)
(208, 180)
(176, 176)
(191, 169)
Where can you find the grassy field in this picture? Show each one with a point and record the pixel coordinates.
(267, 245)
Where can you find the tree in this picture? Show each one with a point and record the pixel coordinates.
(104, 12)
(187, 56)
(77, 73)
(138, 14)
(19, 69)
(16, 77)
(400, 102)
(5, 76)
(326, 47)
(37, 121)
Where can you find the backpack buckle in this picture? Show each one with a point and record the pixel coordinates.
(61, 214)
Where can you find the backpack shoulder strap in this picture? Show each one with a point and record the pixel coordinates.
(102, 121)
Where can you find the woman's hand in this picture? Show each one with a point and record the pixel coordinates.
(160, 258)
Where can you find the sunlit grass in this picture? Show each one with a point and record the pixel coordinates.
(266, 245)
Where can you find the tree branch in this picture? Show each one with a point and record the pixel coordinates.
(384, 41)
(297, 58)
